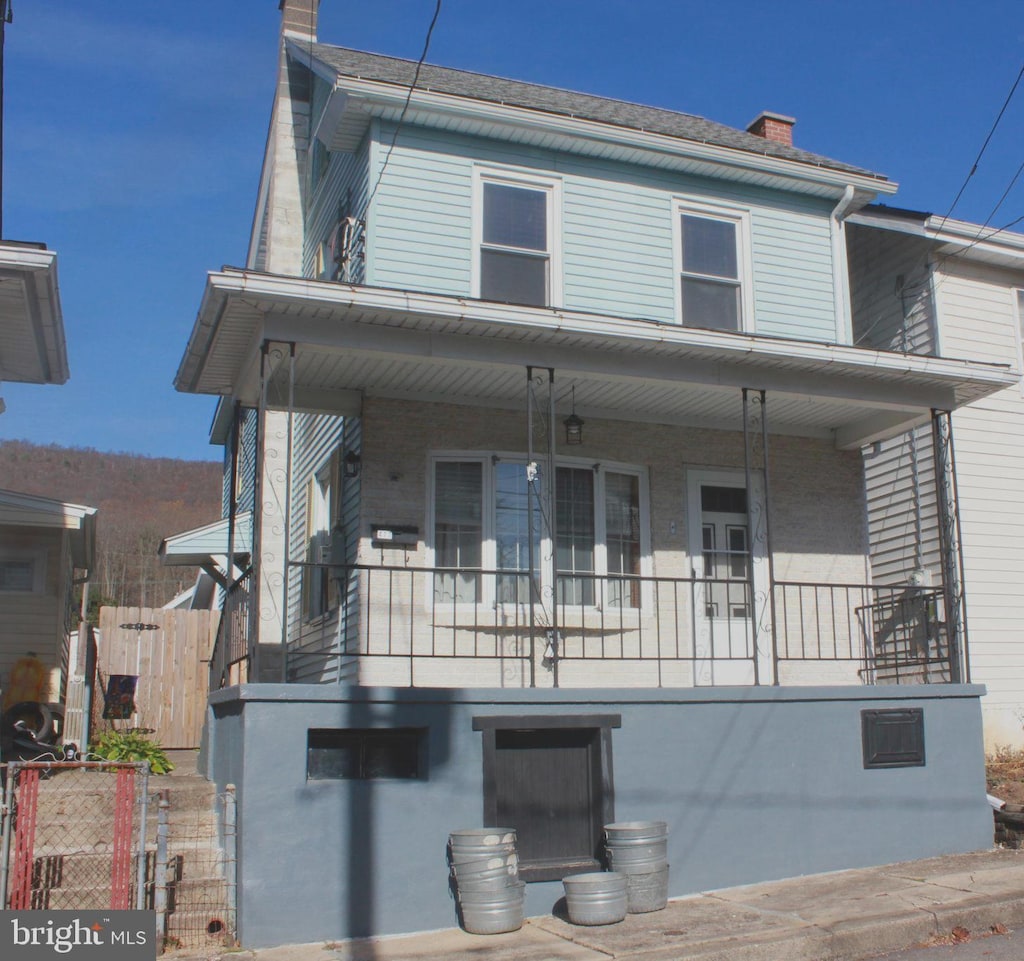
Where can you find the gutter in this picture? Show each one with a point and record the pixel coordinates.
(848, 203)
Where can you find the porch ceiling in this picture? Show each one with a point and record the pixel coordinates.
(353, 341)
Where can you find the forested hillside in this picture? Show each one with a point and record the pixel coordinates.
(140, 500)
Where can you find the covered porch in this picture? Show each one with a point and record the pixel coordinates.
(527, 497)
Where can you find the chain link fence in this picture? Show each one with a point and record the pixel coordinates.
(74, 835)
(89, 835)
(195, 861)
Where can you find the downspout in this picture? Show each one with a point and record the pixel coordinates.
(840, 271)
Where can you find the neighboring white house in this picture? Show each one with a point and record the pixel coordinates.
(32, 348)
(46, 548)
(961, 286)
(550, 413)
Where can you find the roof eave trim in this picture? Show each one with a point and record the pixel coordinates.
(371, 92)
(275, 287)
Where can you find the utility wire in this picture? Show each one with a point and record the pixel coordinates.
(984, 147)
(405, 108)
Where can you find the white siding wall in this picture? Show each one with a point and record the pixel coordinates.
(890, 290)
(617, 226)
(34, 622)
(978, 314)
(902, 512)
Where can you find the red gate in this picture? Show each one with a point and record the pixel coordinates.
(76, 834)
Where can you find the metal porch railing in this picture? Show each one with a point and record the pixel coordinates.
(666, 631)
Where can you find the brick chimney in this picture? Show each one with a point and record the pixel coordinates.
(773, 126)
(298, 18)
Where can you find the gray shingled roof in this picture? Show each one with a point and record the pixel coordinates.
(531, 96)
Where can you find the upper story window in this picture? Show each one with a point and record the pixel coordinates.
(516, 248)
(714, 289)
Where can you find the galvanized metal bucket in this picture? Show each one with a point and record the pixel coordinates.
(477, 876)
(492, 912)
(647, 892)
(481, 846)
(636, 847)
(596, 898)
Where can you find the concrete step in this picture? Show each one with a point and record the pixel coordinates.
(68, 870)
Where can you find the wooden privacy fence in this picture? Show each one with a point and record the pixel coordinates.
(169, 651)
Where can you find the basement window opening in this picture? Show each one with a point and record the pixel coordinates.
(369, 754)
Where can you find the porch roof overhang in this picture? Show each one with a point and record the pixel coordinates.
(205, 545)
(79, 521)
(347, 342)
(32, 345)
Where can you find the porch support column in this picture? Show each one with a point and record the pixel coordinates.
(530, 510)
(542, 487)
(950, 547)
(286, 623)
(270, 517)
(762, 572)
(553, 533)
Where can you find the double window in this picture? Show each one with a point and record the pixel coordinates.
(713, 290)
(491, 514)
(516, 246)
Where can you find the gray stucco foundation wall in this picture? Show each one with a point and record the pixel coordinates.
(755, 784)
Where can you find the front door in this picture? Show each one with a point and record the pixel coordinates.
(720, 551)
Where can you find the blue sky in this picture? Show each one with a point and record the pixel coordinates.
(134, 132)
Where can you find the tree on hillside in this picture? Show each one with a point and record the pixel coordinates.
(140, 500)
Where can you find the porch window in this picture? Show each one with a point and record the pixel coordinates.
(482, 515)
(516, 237)
(711, 266)
(458, 529)
(575, 535)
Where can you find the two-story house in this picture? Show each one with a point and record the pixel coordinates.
(547, 413)
(47, 547)
(932, 285)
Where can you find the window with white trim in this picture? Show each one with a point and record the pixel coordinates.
(482, 516)
(713, 289)
(516, 230)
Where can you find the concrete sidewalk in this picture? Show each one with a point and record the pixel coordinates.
(843, 916)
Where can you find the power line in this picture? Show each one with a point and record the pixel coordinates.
(984, 147)
(405, 108)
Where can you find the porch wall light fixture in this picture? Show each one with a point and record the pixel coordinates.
(573, 424)
(353, 464)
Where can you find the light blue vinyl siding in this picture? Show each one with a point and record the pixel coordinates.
(345, 173)
(617, 231)
(316, 437)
